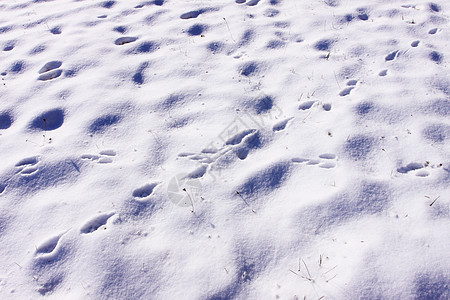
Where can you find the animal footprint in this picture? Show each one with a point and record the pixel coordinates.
(49, 247)
(392, 55)
(240, 143)
(125, 40)
(383, 72)
(104, 157)
(281, 125)
(306, 105)
(50, 70)
(2, 188)
(192, 14)
(418, 169)
(326, 106)
(28, 166)
(252, 2)
(144, 191)
(351, 84)
(324, 161)
(415, 44)
(96, 222)
(50, 66)
(236, 139)
(433, 31)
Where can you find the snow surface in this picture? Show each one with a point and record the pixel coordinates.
(272, 149)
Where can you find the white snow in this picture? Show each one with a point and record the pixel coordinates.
(272, 149)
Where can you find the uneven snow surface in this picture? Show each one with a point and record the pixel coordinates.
(229, 149)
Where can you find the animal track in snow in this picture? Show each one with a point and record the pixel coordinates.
(433, 31)
(48, 248)
(281, 125)
(391, 56)
(325, 161)
(144, 191)
(104, 157)
(96, 222)
(306, 105)
(418, 169)
(125, 40)
(50, 75)
(383, 72)
(310, 104)
(326, 106)
(28, 166)
(249, 3)
(252, 2)
(51, 65)
(351, 84)
(9, 47)
(195, 13)
(236, 139)
(240, 143)
(50, 70)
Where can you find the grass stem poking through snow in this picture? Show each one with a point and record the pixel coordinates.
(192, 202)
(245, 201)
(45, 130)
(229, 30)
(431, 204)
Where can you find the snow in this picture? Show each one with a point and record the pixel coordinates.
(272, 149)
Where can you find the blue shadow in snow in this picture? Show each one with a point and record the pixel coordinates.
(17, 67)
(437, 132)
(250, 69)
(102, 123)
(265, 181)
(108, 4)
(436, 57)
(358, 147)
(215, 47)
(49, 120)
(432, 286)
(264, 104)
(6, 120)
(197, 29)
